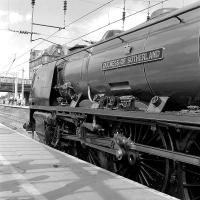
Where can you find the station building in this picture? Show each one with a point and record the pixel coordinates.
(41, 57)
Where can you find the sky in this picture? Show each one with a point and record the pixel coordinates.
(16, 15)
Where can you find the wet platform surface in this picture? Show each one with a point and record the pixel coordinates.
(30, 170)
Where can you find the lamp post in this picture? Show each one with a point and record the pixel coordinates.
(16, 86)
(22, 98)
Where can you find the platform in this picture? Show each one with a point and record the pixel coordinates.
(30, 170)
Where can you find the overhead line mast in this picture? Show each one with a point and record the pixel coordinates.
(148, 14)
(33, 4)
(38, 24)
(65, 10)
(124, 15)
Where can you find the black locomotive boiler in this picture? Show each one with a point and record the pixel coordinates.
(129, 103)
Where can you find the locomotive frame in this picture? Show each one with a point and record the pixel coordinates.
(178, 134)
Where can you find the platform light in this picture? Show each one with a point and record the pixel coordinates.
(32, 2)
(65, 6)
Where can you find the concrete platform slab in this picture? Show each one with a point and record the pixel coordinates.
(30, 170)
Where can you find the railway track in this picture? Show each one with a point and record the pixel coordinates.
(13, 121)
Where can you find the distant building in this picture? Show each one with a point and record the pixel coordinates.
(40, 57)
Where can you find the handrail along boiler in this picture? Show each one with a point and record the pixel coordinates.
(130, 102)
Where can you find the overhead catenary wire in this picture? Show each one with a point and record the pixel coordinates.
(89, 13)
(18, 57)
(92, 2)
(110, 23)
(28, 51)
(11, 64)
(8, 14)
(102, 27)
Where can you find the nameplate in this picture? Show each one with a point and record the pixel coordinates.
(135, 59)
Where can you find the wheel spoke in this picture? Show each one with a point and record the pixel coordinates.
(147, 169)
(118, 170)
(130, 132)
(91, 159)
(143, 176)
(152, 160)
(145, 134)
(139, 134)
(190, 185)
(192, 172)
(135, 133)
(196, 198)
(140, 179)
(195, 143)
(154, 137)
(154, 170)
(147, 173)
(126, 172)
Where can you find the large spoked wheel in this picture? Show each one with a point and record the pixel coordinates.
(100, 159)
(190, 175)
(49, 133)
(150, 170)
(96, 157)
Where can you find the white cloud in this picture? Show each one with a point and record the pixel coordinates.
(11, 42)
(28, 17)
(6, 51)
(15, 17)
(3, 19)
(3, 13)
(106, 18)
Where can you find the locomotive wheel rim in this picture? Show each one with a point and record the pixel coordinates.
(152, 171)
(191, 182)
(190, 175)
(98, 158)
(49, 134)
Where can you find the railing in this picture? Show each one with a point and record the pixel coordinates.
(12, 80)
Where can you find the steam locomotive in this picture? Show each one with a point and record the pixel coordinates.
(129, 103)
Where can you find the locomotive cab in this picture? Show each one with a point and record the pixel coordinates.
(42, 85)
